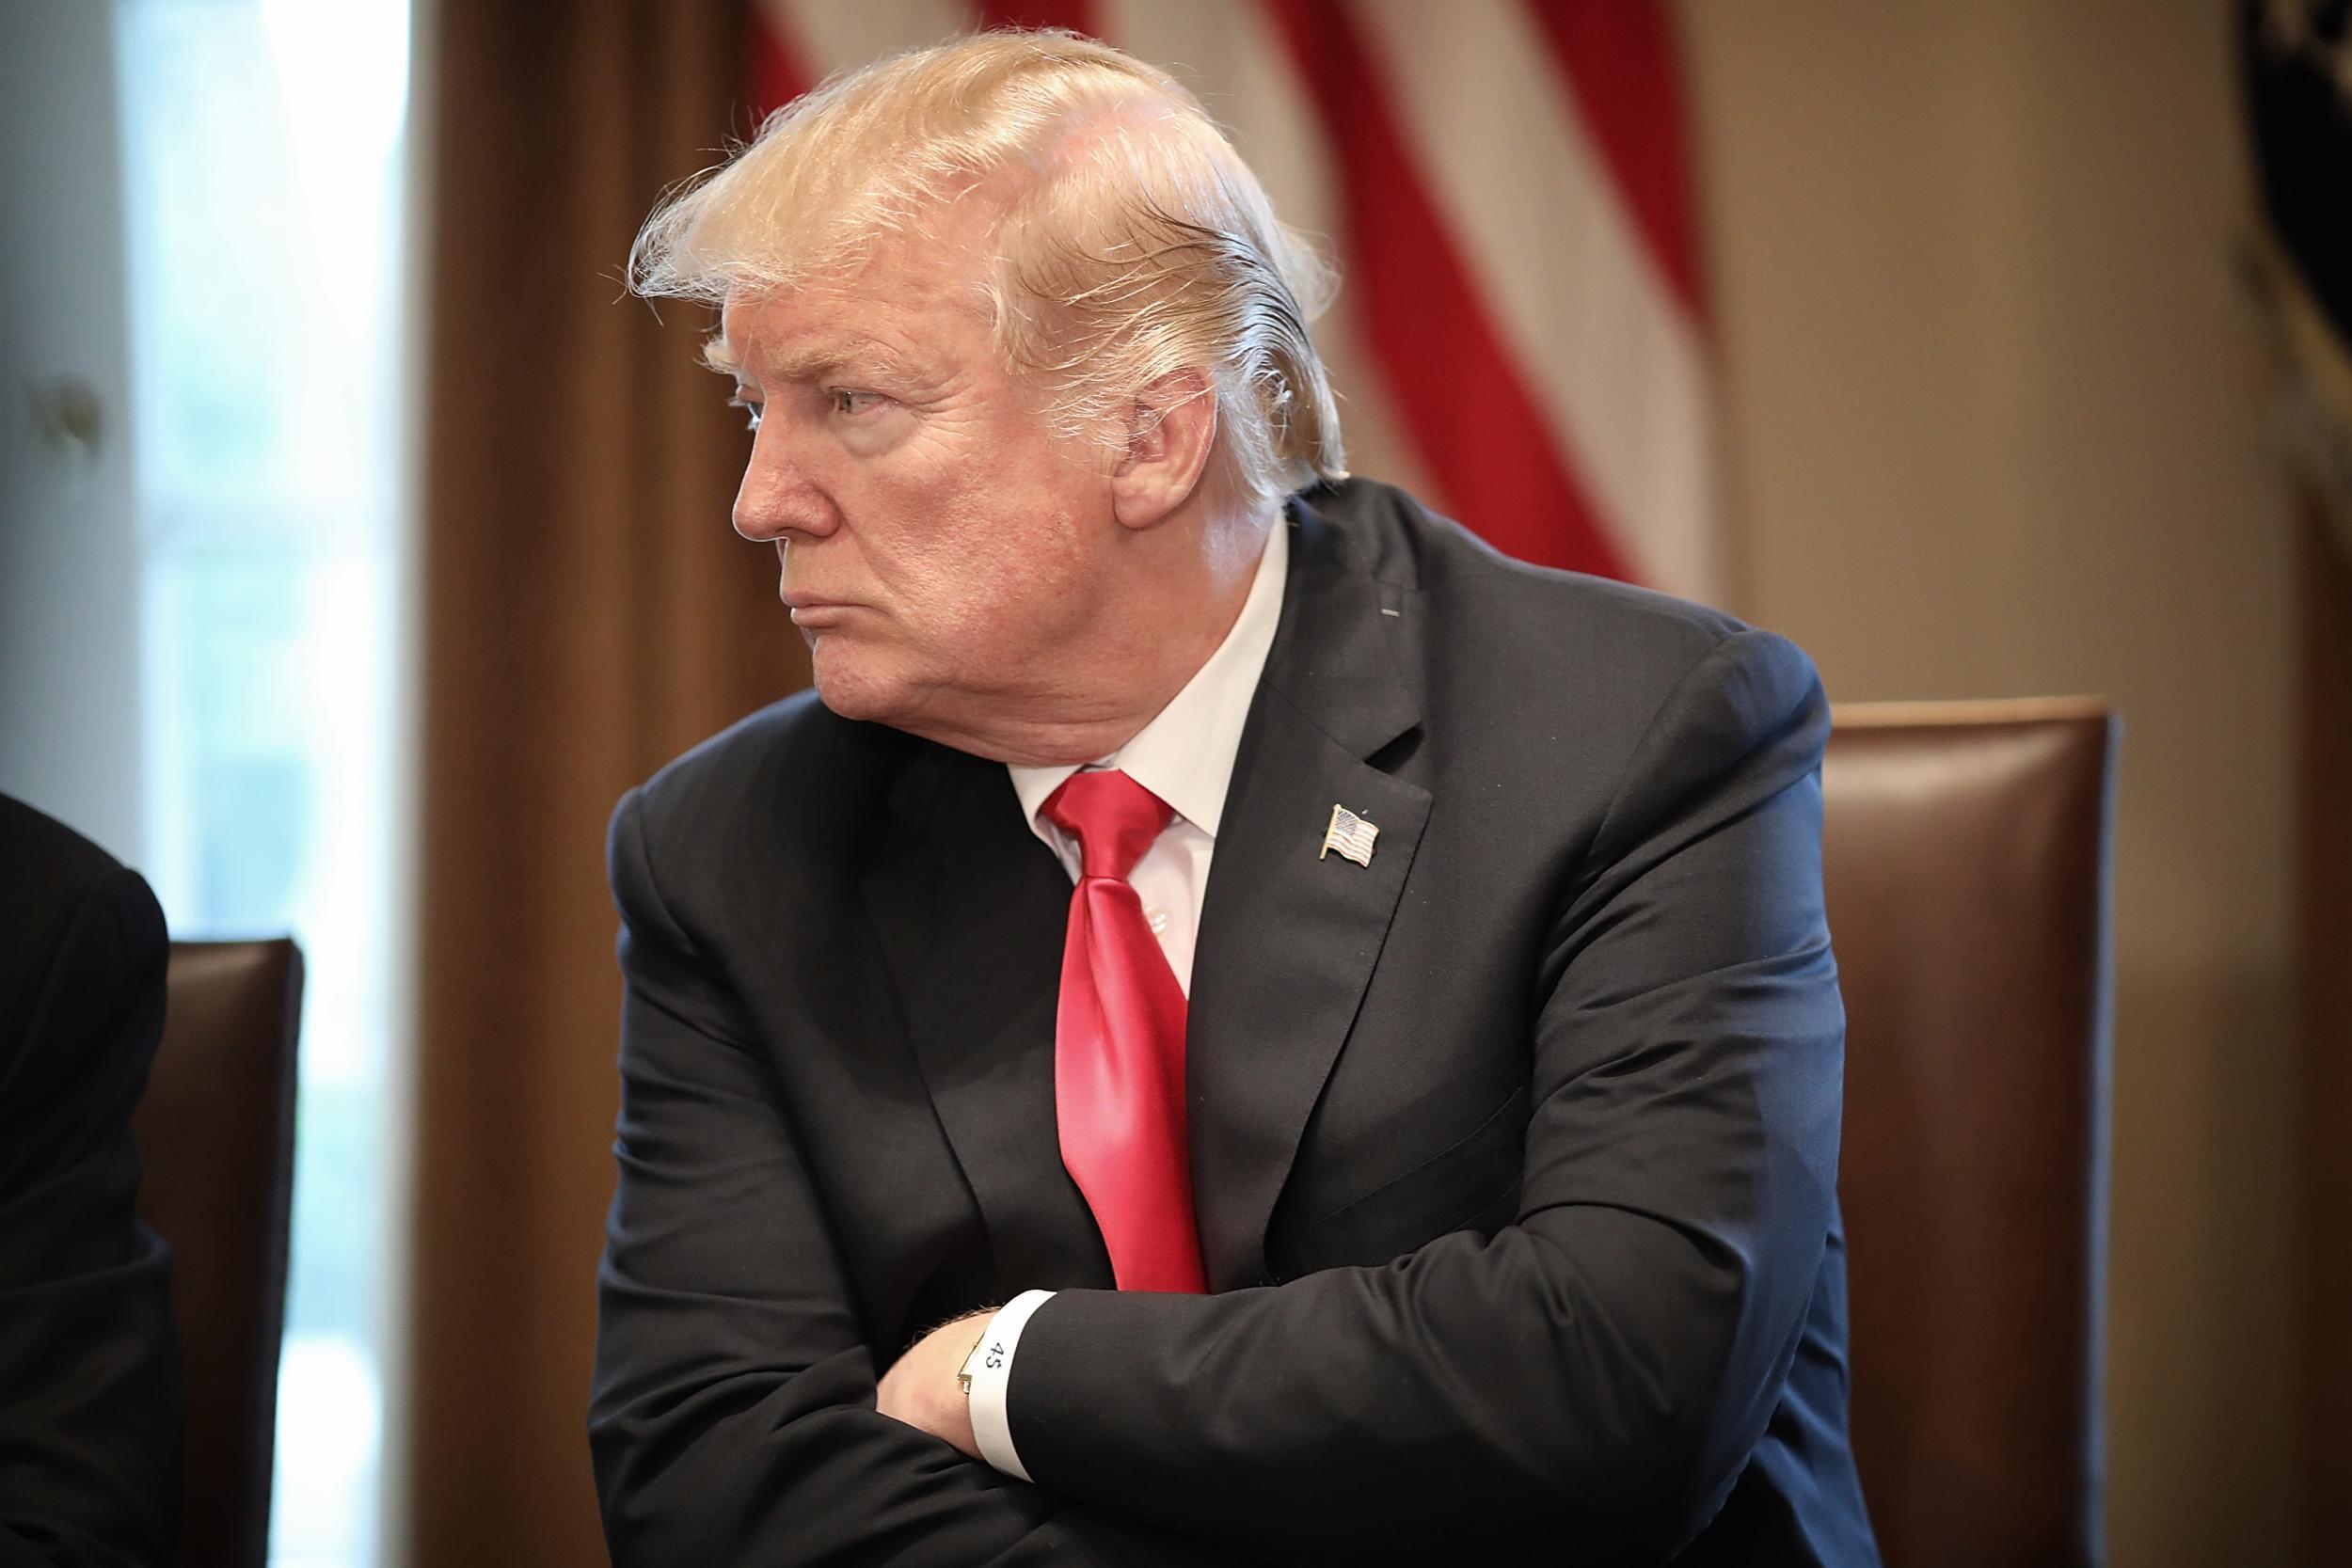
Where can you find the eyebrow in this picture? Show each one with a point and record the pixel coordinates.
(811, 363)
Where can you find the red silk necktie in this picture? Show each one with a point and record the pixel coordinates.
(1119, 1043)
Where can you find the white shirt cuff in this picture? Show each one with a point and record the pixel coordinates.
(992, 1374)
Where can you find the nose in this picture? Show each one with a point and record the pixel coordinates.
(778, 497)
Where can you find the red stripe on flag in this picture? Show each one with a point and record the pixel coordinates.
(773, 71)
(1455, 385)
(1076, 15)
(1621, 70)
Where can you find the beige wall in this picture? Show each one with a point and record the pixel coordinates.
(1996, 424)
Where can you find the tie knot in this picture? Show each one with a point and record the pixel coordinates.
(1113, 818)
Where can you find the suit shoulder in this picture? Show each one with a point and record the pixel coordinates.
(59, 881)
(794, 741)
(49, 864)
(792, 770)
(76, 926)
(1517, 616)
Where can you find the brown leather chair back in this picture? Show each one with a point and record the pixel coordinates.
(1966, 852)
(216, 1131)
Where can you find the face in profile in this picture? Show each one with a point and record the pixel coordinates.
(939, 541)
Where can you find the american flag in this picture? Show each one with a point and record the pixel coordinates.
(1350, 834)
(1520, 337)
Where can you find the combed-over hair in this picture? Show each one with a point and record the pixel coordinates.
(1132, 242)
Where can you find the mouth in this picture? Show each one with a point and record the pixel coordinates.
(816, 610)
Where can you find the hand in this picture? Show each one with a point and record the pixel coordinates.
(921, 1389)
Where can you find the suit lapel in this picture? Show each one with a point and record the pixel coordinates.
(1289, 937)
(972, 910)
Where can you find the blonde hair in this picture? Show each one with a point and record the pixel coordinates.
(1132, 240)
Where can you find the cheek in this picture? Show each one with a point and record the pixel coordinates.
(993, 549)
(998, 574)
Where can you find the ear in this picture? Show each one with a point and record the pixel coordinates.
(1169, 435)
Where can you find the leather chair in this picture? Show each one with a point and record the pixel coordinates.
(215, 1131)
(1966, 857)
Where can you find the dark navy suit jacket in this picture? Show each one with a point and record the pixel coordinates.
(1514, 1151)
(90, 1398)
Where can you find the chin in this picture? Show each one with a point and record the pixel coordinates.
(852, 687)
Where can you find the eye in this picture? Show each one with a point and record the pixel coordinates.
(843, 401)
(752, 410)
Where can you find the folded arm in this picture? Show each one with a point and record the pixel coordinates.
(733, 1418)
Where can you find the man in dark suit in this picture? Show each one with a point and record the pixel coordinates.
(89, 1374)
(1414, 1136)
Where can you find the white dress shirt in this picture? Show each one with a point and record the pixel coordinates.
(1184, 755)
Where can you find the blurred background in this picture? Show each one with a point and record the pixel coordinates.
(360, 542)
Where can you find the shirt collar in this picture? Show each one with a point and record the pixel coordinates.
(1184, 755)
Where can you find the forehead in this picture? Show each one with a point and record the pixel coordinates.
(913, 298)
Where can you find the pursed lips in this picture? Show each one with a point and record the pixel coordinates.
(814, 608)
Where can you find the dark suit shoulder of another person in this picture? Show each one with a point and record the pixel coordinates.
(90, 1404)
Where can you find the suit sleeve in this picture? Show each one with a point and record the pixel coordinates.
(733, 1416)
(90, 1402)
(1585, 1384)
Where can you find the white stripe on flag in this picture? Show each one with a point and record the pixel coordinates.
(1620, 369)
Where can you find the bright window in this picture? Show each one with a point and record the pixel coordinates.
(263, 144)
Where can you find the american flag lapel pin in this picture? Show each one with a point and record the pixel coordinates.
(1350, 834)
